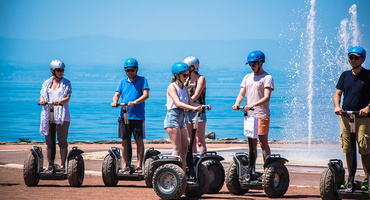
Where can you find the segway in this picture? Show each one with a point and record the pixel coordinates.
(170, 181)
(112, 163)
(333, 177)
(33, 169)
(213, 163)
(241, 175)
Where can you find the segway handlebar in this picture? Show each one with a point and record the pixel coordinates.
(350, 112)
(242, 107)
(49, 103)
(204, 107)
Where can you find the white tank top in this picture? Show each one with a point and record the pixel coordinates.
(181, 93)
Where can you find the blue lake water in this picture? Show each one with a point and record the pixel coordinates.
(92, 118)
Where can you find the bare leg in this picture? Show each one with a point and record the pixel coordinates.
(366, 164)
(264, 145)
(140, 152)
(179, 143)
(63, 157)
(124, 153)
(201, 140)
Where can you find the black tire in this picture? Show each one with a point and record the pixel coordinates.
(232, 180)
(275, 180)
(149, 171)
(169, 181)
(327, 187)
(30, 175)
(216, 175)
(203, 184)
(109, 171)
(76, 170)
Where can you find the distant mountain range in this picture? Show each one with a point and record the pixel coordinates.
(90, 53)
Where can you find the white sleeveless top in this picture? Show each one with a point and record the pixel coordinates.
(181, 93)
(55, 95)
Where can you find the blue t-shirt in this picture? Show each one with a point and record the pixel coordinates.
(356, 89)
(130, 91)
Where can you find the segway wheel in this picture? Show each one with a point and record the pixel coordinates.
(30, 174)
(216, 175)
(203, 184)
(275, 180)
(232, 180)
(109, 171)
(169, 181)
(149, 171)
(327, 186)
(76, 170)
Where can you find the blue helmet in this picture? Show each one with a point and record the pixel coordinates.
(179, 67)
(255, 56)
(357, 50)
(131, 63)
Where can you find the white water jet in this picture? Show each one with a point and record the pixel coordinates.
(310, 31)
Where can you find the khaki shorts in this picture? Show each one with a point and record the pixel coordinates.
(263, 126)
(362, 136)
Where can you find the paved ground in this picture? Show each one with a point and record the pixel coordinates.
(305, 166)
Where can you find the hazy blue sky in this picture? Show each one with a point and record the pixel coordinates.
(168, 19)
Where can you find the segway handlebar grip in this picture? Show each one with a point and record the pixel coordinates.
(206, 107)
(50, 103)
(121, 104)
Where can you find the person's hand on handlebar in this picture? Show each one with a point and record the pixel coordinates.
(338, 111)
(235, 107)
(114, 104)
(365, 111)
(248, 107)
(56, 103)
(131, 104)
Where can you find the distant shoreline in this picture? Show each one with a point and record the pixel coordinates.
(166, 141)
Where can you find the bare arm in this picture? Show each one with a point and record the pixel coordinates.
(141, 99)
(115, 99)
(200, 86)
(239, 98)
(266, 97)
(336, 100)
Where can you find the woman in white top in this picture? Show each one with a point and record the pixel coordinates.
(177, 101)
(57, 90)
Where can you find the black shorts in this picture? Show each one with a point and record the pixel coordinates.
(137, 128)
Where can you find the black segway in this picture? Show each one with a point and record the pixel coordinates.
(334, 176)
(213, 163)
(112, 163)
(33, 169)
(241, 175)
(170, 181)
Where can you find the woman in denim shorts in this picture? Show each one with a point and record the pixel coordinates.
(178, 100)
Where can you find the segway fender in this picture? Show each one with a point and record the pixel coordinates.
(274, 158)
(336, 167)
(37, 153)
(74, 151)
(151, 152)
(211, 155)
(167, 159)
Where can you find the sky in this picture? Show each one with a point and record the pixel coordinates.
(167, 19)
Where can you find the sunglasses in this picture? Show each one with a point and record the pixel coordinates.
(59, 70)
(185, 75)
(129, 70)
(354, 58)
(254, 64)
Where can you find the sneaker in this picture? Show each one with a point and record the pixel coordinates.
(344, 185)
(365, 184)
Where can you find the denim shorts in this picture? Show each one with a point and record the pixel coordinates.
(190, 117)
(175, 118)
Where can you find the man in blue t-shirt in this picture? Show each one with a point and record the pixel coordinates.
(133, 90)
(354, 84)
